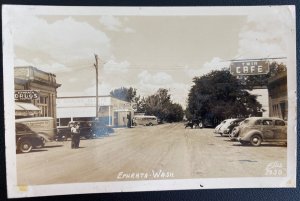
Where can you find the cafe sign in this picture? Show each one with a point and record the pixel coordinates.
(26, 94)
(249, 67)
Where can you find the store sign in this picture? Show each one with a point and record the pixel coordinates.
(249, 67)
(26, 94)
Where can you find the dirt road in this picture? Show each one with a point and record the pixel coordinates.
(166, 151)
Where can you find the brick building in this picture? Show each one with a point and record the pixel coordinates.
(35, 92)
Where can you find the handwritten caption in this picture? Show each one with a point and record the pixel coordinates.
(153, 174)
(274, 169)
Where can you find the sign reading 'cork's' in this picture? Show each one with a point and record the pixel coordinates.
(249, 67)
(26, 94)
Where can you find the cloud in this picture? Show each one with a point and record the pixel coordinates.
(110, 22)
(129, 30)
(160, 78)
(149, 83)
(215, 64)
(265, 35)
(113, 23)
(65, 41)
(192, 72)
(116, 67)
(103, 89)
(65, 47)
(53, 67)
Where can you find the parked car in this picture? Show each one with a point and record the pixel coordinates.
(64, 132)
(27, 139)
(194, 123)
(219, 126)
(199, 123)
(43, 126)
(99, 129)
(88, 129)
(223, 128)
(256, 130)
(227, 128)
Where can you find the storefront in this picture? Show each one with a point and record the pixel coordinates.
(35, 92)
(278, 102)
(111, 111)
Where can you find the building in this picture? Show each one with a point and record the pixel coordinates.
(112, 111)
(35, 92)
(278, 102)
(263, 98)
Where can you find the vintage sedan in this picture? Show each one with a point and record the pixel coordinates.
(226, 130)
(64, 132)
(256, 130)
(223, 129)
(219, 126)
(27, 139)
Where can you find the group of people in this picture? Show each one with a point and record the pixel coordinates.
(75, 136)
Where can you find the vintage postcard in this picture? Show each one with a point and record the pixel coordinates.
(119, 99)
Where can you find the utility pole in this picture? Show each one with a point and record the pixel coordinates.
(96, 67)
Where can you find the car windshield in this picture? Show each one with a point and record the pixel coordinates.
(22, 128)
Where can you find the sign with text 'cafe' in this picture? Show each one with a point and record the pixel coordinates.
(249, 67)
(26, 94)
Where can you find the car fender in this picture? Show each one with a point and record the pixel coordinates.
(22, 138)
(250, 134)
(44, 136)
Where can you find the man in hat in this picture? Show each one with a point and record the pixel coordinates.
(75, 135)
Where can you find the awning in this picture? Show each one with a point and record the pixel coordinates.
(26, 106)
(25, 109)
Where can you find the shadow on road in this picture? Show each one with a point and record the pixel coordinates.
(53, 146)
(250, 161)
(228, 140)
(33, 150)
(262, 145)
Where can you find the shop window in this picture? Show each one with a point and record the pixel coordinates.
(64, 121)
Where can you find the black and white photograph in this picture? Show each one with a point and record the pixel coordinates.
(122, 99)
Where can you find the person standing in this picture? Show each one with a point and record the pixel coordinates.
(75, 135)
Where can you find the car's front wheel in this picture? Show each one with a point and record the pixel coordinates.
(201, 125)
(25, 146)
(256, 140)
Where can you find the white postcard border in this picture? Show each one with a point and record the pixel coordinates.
(150, 185)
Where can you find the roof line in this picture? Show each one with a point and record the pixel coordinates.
(83, 96)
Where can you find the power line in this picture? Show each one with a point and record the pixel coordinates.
(259, 59)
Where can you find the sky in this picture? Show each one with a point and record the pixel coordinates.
(146, 52)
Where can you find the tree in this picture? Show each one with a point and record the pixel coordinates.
(251, 81)
(175, 113)
(161, 106)
(123, 93)
(219, 95)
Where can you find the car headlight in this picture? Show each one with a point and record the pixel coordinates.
(235, 131)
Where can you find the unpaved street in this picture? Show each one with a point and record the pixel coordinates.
(166, 151)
